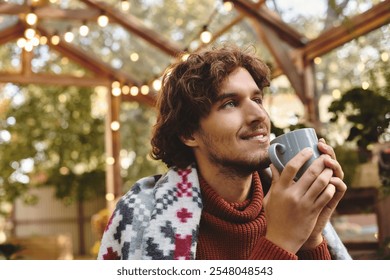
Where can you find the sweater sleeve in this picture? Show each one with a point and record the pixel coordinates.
(321, 252)
(266, 250)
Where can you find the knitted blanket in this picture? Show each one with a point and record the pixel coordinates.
(158, 219)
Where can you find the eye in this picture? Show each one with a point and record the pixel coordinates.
(258, 100)
(229, 104)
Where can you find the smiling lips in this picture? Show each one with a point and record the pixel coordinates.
(259, 136)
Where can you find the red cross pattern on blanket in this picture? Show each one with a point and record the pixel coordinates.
(184, 187)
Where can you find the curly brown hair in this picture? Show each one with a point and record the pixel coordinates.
(189, 88)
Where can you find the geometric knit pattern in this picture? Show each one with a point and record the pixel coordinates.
(158, 219)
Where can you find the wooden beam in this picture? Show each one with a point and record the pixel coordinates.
(78, 55)
(50, 12)
(264, 17)
(225, 28)
(49, 79)
(67, 80)
(89, 61)
(133, 25)
(11, 33)
(377, 16)
(281, 52)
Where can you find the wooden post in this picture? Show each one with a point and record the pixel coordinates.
(112, 145)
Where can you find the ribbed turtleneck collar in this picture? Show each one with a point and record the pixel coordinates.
(240, 212)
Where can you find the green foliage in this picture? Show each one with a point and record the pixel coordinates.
(137, 122)
(349, 160)
(55, 132)
(367, 111)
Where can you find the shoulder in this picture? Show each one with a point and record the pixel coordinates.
(139, 192)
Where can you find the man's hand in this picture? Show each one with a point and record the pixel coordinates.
(339, 191)
(292, 208)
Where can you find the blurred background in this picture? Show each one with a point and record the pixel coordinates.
(78, 81)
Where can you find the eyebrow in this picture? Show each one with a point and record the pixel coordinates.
(227, 95)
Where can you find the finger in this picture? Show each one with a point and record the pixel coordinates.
(314, 170)
(319, 184)
(326, 196)
(326, 149)
(292, 167)
(341, 187)
(340, 191)
(335, 166)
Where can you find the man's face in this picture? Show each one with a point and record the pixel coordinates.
(235, 135)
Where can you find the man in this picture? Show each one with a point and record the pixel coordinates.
(213, 133)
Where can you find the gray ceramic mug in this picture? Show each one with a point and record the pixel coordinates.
(284, 147)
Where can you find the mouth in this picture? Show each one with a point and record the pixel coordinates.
(260, 136)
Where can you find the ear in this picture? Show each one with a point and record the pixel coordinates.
(190, 141)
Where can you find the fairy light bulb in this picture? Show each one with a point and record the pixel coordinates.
(156, 84)
(115, 125)
(84, 29)
(206, 35)
(102, 20)
(21, 42)
(125, 5)
(228, 6)
(134, 90)
(69, 36)
(55, 39)
(145, 89)
(29, 33)
(31, 18)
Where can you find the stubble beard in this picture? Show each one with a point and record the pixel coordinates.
(239, 167)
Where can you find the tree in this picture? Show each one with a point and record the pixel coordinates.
(367, 111)
(54, 141)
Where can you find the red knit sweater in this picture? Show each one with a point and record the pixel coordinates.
(237, 230)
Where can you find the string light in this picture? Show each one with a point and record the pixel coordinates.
(35, 40)
(55, 39)
(69, 36)
(21, 42)
(317, 60)
(125, 89)
(206, 35)
(134, 90)
(29, 33)
(145, 89)
(110, 160)
(116, 89)
(102, 20)
(115, 125)
(156, 84)
(134, 57)
(43, 40)
(110, 196)
(28, 46)
(31, 18)
(84, 29)
(125, 5)
(228, 6)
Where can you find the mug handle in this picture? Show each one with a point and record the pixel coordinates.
(273, 151)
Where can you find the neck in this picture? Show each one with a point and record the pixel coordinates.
(231, 186)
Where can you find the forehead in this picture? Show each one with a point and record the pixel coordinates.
(239, 79)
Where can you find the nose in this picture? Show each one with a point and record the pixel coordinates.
(254, 112)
